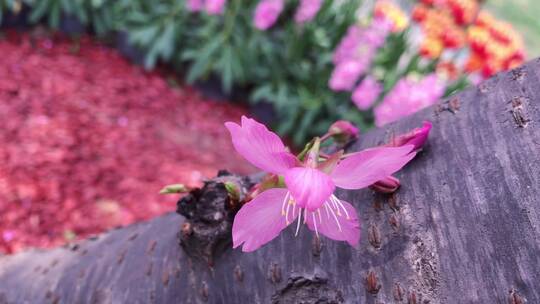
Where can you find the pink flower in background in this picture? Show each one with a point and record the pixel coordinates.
(348, 45)
(308, 196)
(195, 5)
(267, 13)
(345, 75)
(377, 32)
(366, 93)
(215, 7)
(354, 54)
(408, 97)
(307, 10)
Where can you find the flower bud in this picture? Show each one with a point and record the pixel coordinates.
(386, 185)
(343, 131)
(416, 137)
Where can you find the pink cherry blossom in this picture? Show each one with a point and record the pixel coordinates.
(195, 5)
(215, 7)
(366, 93)
(267, 13)
(307, 10)
(308, 194)
(407, 97)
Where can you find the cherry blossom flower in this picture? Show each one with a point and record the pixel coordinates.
(307, 10)
(267, 13)
(307, 195)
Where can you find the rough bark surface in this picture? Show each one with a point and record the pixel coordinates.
(464, 228)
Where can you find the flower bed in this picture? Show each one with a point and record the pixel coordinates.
(290, 53)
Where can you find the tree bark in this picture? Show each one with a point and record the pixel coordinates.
(463, 228)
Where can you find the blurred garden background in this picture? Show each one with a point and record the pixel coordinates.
(103, 102)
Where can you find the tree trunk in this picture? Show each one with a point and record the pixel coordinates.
(464, 228)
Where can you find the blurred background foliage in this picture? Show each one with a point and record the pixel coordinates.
(293, 66)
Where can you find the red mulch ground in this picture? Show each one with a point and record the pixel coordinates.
(88, 139)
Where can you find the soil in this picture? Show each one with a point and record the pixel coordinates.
(87, 140)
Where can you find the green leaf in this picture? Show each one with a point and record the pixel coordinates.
(143, 36)
(202, 64)
(39, 10)
(54, 17)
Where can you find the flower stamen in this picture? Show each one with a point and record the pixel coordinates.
(327, 213)
(284, 202)
(291, 203)
(340, 204)
(335, 218)
(298, 224)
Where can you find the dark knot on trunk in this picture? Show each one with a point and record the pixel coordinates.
(209, 213)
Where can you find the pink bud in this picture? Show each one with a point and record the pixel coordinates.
(416, 137)
(387, 185)
(343, 130)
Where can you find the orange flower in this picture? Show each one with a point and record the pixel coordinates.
(495, 45)
(464, 11)
(388, 10)
(453, 38)
(420, 13)
(431, 48)
(447, 69)
(474, 63)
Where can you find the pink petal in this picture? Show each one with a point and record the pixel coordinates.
(260, 221)
(309, 187)
(262, 148)
(366, 167)
(348, 229)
